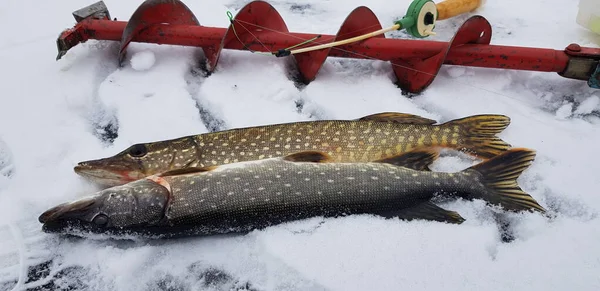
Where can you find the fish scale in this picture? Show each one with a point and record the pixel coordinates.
(366, 139)
(376, 140)
(302, 190)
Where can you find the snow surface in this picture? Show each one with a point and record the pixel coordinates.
(142, 61)
(55, 114)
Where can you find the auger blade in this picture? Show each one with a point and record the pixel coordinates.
(153, 12)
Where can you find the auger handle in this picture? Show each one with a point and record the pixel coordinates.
(451, 8)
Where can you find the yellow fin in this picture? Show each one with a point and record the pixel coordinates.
(419, 159)
(309, 156)
(499, 176)
(399, 118)
(479, 134)
(185, 171)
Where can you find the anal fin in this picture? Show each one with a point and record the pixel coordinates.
(426, 211)
(419, 159)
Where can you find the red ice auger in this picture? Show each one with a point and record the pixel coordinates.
(259, 28)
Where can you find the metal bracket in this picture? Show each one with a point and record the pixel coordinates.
(97, 10)
(594, 81)
(71, 37)
(579, 68)
(584, 64)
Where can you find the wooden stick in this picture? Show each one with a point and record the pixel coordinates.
(346, 41)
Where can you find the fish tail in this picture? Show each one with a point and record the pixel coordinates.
(499, 178)
(478, 135)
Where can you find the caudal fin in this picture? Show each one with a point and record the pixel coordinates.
(478, 134)
(499, 177)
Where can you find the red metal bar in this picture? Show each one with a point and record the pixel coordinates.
(508, 57)
(385, 49)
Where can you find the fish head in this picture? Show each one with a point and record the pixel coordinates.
(139, 161)
(117, 210)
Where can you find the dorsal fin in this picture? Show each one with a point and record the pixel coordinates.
(419, 159)
(399, 117)
(309, 156)
(184, 171)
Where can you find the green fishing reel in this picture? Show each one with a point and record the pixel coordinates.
(420, 18)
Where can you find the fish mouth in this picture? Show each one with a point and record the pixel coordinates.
(104, 176)
(66, 210)
(67, 215)
(50, 213)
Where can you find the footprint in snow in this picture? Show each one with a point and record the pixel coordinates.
(6, 164)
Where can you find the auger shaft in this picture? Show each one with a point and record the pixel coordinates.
(384, 49)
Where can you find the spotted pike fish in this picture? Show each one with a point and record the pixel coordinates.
(369, 138)
(245, 196)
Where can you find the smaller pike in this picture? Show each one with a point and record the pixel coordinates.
(242, 197)
(366, 139)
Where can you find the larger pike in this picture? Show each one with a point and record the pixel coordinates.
(252, 195)
(369, 138)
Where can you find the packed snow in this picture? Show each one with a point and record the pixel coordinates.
(54, 114)
(143, 60)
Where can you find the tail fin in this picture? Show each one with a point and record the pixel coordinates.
(478, 134)
(499, 177)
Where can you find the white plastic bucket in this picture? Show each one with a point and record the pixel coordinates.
(589, 15)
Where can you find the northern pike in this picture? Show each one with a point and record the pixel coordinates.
(245, 196)
(369, 138)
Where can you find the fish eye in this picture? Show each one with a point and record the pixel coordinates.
(100, 220)
(138, 150)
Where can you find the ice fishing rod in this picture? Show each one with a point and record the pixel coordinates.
(259, 28)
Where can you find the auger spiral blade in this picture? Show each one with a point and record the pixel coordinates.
(153, 12)
(414, 75)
